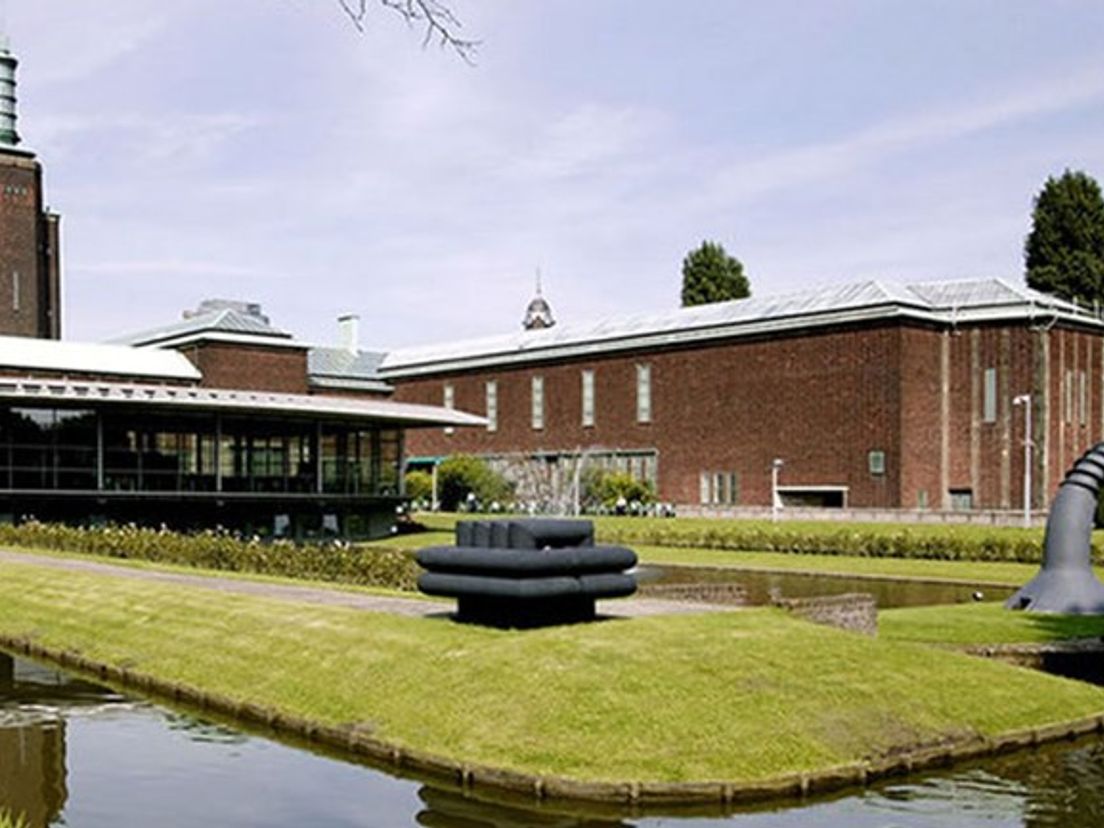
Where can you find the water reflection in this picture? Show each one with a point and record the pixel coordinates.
(451, 809)
(72, 753)
(887, 592)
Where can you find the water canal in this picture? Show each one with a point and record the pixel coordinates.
(887, 592)
(77, 754)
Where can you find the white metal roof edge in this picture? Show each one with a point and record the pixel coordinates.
(268, 340)
(354, 383)
(27, 354)
(660, 340)
(217, 399)
(987, 313)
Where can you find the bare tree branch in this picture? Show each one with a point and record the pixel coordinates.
(439, 22)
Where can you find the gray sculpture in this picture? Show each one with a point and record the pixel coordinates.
(526, 573)
(1067, 583)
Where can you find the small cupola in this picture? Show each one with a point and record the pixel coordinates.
(539, 313)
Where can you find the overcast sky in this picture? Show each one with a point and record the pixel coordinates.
(264, 150)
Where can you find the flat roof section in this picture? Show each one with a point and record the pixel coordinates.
(22, 353)
(945, 303)
(36, 391)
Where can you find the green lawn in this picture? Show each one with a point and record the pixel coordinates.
(736, 696)
(1013, 574)
(987, 623)
(982, 572)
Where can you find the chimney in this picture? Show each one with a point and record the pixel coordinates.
(347, 325)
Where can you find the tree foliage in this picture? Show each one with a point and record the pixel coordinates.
(604, 488)
(419, 486)
(461, 474)
(709, 274)
(1064, 252)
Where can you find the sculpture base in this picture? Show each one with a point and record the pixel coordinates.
(1073, 591)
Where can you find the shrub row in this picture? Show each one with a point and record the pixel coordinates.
(221, 550)
(867, 541)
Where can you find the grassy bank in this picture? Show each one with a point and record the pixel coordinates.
(736, 696)
(983, 624)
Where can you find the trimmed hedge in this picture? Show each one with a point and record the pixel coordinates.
(221, 550)
(1005, 546)
(868, 540)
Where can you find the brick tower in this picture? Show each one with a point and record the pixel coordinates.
(30, 277)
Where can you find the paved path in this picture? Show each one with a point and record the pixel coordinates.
(620, 608)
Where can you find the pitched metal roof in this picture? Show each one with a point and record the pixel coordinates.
(233, 401)
(342, 368)
(25, 354)
(217, 323)
(946, 302)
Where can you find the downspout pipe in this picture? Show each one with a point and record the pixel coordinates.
(1066, 583)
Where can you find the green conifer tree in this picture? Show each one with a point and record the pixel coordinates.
(709, 274)
(1064, 252)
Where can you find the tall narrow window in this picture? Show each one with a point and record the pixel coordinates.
(643, 393)
(588, 398)
(1082, 398)
(492, 405)
(989, 403)
(1067, 398)
(538, 402)
(449, 401)
(16, 290)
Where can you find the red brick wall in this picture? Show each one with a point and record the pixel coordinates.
(250, 367)
(23, 235)
(820, 401)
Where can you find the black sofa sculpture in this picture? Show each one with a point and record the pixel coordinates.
(1067, 583)
(526, 573)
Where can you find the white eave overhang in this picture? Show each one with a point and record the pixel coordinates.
(587, 347)
(23, 354)
(226, 337)
(349, 383)
(32, 390)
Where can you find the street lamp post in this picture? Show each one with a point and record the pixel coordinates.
(1025, 401)
(776, 501)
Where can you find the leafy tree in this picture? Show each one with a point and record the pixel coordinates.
(461, 474)
(709, 274)
(1064, 252)
(419, 486)
(604, 488)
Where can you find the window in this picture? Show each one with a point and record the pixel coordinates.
(492, 405)
(989, 401)
(643, 393)
(1082, 398)
(16, 299)
(922, 499)
(538, 402)
(962, 500)
(1067, 398)
(719, 488)
(449, 401)
(588, 398)
(875, 461)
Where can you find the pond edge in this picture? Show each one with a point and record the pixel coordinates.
(471, 778)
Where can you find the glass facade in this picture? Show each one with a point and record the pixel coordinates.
(114, 450)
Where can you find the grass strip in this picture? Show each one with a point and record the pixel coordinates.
(972, 572)
(989, 623)
(735, 696)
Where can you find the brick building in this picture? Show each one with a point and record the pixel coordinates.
(873, 396)
(30, 298)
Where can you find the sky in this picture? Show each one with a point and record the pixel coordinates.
(267, 151)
